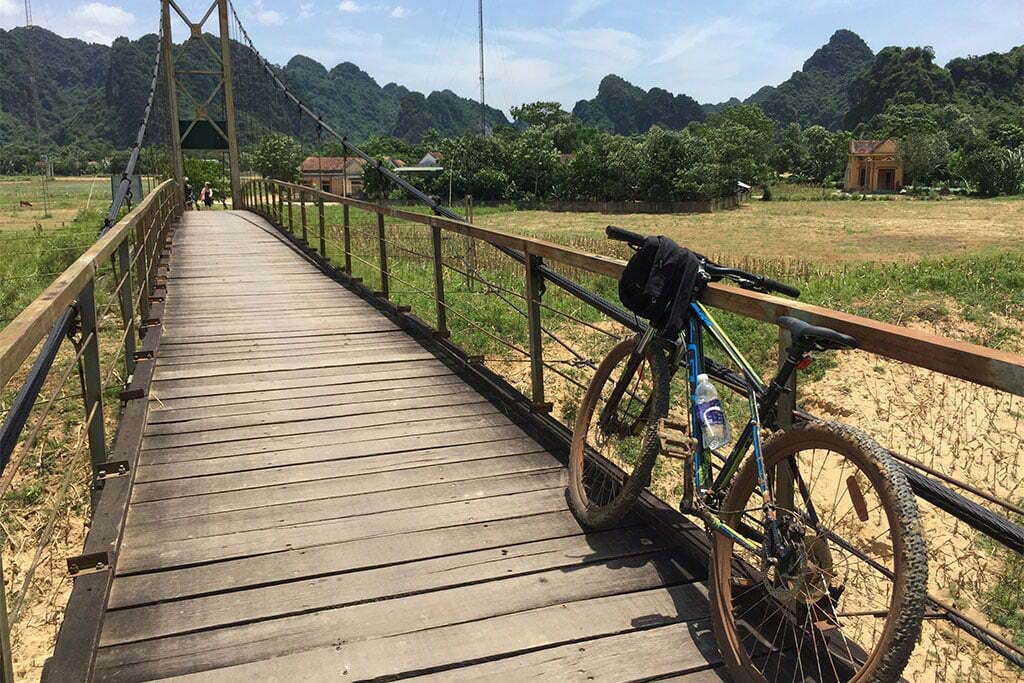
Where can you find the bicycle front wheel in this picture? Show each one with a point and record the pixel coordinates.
(841, 595)
(617, 423)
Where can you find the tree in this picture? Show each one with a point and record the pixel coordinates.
(923, 155)
(793, 153)
(543, 114)
(826, 152)
(278, 156)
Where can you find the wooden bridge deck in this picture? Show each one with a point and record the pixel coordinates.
(321, 496)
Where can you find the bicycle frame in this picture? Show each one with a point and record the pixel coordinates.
(760, 397)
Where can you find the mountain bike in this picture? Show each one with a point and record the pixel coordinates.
(817, 562)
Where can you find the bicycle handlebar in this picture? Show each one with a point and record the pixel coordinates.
(745, 280)
(623, 235)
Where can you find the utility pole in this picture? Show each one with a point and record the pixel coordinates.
(483, 105)
(28, 13)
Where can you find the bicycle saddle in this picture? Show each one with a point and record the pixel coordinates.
(815, 338)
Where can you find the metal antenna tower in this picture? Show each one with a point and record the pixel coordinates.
(28, 12)
(483, 105)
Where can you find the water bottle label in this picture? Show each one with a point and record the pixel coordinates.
(711, 413)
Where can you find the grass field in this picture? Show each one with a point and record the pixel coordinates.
(819, 232)
(64, 197)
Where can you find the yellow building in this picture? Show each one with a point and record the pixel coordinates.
(874, 166)
(330, 174)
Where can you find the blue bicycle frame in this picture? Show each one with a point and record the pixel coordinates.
(701, 323)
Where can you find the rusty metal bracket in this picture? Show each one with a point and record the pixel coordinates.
(545, 407)
(111, 470)
(143, 355)
(88, 564)
(131, 394)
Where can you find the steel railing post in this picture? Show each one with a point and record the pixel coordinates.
(291, 219)
(534, 292)
(91, 382)
(302, 216)
(127, 309)
(382, 244)
(321, 225)
(346, 236)
(442, 312)
(7, 669)
(142, 230)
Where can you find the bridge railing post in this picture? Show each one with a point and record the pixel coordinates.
(382, 244)
(6, 663)
(302, 216)
(279, 196)
(92, 388)
(321, 225)
(142, 230)
(124, 266)
(534, 292)
(346, 236)
(291, 220)
(442, 312)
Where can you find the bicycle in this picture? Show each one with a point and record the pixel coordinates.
(816, 543)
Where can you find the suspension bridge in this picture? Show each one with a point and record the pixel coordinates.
(296, 476)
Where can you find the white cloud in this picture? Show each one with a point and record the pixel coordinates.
(350, 6)
(269, 17)
(399, 12)
(305, 10)
(579, 8)
(8, 8)
(104, 15)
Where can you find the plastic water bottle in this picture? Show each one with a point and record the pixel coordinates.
(712, 418)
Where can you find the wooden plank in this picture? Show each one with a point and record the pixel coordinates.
(366, 456)
(320, 439)
(642, 655)
(499, 499)
(341, 590)
(467, 405)
(310, 398)
(211, 494)
(460, 395)
(539, 523)
(451, 647)
(207, 387)
(224, 647)
(293, 332)
(321, 350)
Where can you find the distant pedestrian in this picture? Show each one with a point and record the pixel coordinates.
(190, 194)
(207, 195)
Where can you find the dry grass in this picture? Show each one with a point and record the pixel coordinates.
(813, 231)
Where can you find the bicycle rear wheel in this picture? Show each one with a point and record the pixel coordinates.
(627, 437)
(844, 600)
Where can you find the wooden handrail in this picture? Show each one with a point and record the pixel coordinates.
(993, 368)
(33, 323)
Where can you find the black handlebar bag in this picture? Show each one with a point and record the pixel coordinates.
(659, 282)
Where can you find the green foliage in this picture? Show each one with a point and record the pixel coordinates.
(898, 76)
(278, 156)
(621, 107)
(817, 95)
(543, 114)
(200, 171)
(923, 154)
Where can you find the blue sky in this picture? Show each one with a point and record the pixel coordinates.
(559, 50)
